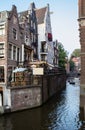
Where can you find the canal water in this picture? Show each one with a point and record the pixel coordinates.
(62, 112)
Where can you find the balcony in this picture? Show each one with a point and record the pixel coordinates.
(44, 51)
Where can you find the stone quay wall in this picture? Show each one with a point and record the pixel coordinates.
(34, 96)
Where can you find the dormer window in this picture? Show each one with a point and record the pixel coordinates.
(14, 34)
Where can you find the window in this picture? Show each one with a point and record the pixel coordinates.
(49, 37)
(14, 34)
(26, 40)
(10, 51)
(14, 53)
(9, 73)
(2, 29)
(21, 36)
(1, 50)
(1, 73)
(43, 58)
(18, 53)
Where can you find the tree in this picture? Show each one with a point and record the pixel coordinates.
(76, 53)
(62, 56)
(72, 65)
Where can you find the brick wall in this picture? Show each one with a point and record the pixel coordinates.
(25, 97)
(82, 42)
(82, 39)
(34, 96)
(81, 4)
(52, 84)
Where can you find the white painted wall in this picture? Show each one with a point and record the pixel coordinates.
(22, 52)
(6, 97)
(43, 30)
(0, 100)
(48, 29)
(41, 37)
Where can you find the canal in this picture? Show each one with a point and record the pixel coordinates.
(62, 112)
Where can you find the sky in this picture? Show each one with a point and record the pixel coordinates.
(64, 19)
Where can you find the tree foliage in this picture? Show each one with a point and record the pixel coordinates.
(76, 53)
(62, 55)
(72, 65)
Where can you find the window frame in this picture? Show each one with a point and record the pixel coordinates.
(14, 34)
(2, 76)
(14, 52)
(2, 50)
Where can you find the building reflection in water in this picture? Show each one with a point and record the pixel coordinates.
(5, 123)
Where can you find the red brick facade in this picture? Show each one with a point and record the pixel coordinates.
(16, 46)
(82, 43)
(82, 38)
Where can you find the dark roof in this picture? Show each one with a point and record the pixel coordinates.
(40, 15)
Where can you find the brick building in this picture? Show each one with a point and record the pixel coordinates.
(28, 25)
(18, 45)
(10, 50)
(82, 42)
(10, 42)
(18, 39)
(24, 37)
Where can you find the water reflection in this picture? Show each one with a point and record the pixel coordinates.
(60, 113)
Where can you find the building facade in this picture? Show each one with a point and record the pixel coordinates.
(28, 25)
(81, 20)
(18, 46)
(24, 37)
(10, 50)
(45, 42)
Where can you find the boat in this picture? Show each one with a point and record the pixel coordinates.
(74, 80)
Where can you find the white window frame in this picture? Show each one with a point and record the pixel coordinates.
(3, 49)
(2, 29)
(10, 54)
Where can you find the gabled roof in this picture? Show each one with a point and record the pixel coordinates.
(13, 12)
(8, 14)
(40, 15)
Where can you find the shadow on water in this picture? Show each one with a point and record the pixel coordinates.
(60, 113)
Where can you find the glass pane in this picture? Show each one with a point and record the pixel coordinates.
(1, 74)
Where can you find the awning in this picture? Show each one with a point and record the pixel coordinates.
(50, 65)
(19, 70)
